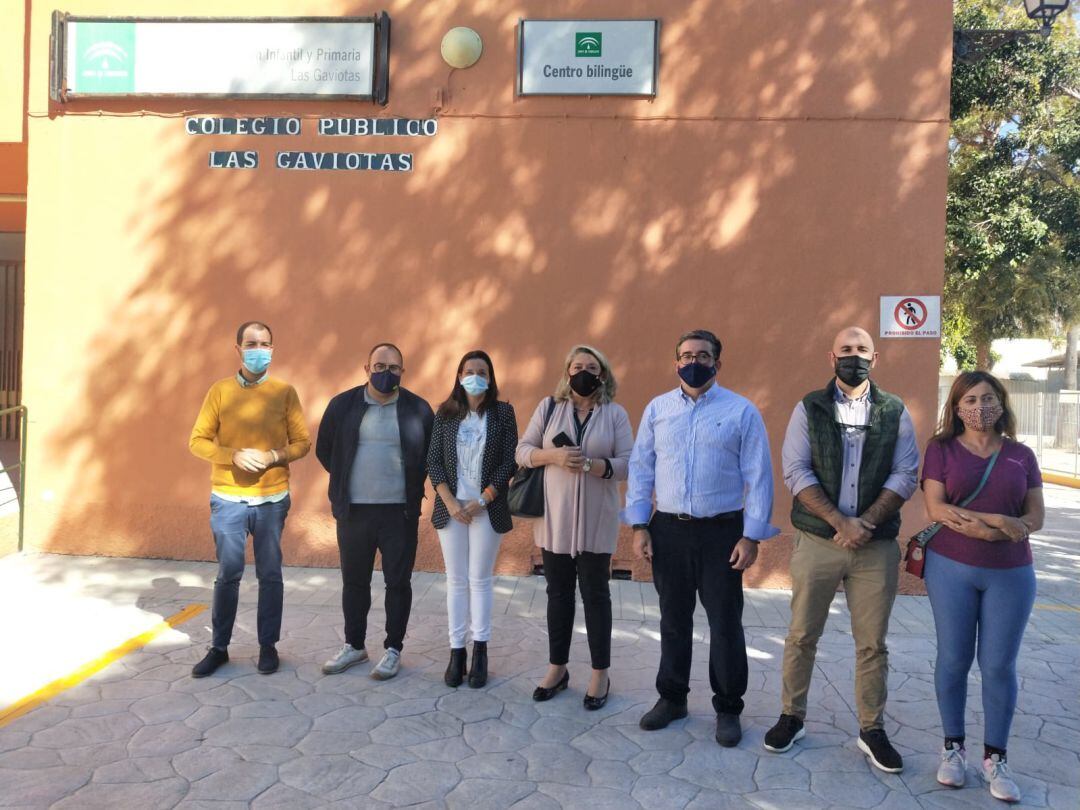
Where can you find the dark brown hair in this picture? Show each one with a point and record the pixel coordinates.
(952, 425)
(699, 334)
(378, 346)
(244, 327)
(457, 404)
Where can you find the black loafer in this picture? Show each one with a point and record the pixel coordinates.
(268, 659)
(542, 693)
(660, 715)
(213, 659)
(593, 703)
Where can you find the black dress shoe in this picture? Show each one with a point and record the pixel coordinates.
(455, 670)
(213, 659)
(542, 693)
(728, 730)
(593, 703)
(478, 669)
(268, 659)
(660, 715)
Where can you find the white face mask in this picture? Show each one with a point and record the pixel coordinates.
(474, 384)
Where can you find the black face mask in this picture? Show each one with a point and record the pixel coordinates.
(852, 370)
(585, 383)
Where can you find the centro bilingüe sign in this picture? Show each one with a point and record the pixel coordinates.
(588, 57)
(226, 57)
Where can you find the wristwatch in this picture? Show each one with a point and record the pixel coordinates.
(483, 504)
(586, 465)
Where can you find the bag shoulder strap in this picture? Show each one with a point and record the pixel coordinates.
(547, 417)
(982, 483)
(927, 534)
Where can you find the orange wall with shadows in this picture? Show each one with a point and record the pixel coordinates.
(791, 170)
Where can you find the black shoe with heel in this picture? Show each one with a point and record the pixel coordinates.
(455, 670)
(478, 670)
(542, 693)
(593, 703)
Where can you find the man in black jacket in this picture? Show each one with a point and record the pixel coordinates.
(373, 440)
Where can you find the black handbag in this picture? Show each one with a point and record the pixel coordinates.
(526, 494)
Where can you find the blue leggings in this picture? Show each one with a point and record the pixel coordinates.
(990, 606)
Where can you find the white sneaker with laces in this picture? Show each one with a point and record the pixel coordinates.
(996, 772)
(348, 656)
(953, 768)
(388, 667)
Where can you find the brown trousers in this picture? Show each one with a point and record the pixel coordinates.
(870, 576)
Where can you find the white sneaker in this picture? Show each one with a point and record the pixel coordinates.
(388, 667)
(348, 656)
(953, 768)
(1002, 786)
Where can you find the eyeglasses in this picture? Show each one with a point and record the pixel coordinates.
(378, 368)
(689, 357)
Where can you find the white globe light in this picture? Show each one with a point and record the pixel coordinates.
(461, 47)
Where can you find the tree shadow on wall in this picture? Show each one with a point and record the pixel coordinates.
(732, 201)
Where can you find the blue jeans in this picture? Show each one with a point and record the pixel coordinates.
(231, 524)
(986, 608)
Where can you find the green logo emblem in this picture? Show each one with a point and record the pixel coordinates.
(588, 43)
(105, 57)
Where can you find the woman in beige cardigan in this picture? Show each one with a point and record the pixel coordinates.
(586, 449)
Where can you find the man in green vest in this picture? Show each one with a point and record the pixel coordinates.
(850, 460)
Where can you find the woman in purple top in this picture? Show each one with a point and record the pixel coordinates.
(978, 566)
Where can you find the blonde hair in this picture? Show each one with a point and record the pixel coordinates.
(606, 391)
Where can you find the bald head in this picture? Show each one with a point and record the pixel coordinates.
(853, 340)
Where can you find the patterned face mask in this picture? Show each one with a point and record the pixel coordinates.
(981, 417)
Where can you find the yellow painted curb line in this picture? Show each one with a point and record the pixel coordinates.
(1041, 606)
(49, 691)
(1064, 480)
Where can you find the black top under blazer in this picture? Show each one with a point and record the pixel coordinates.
(339, 433)
(496, 467)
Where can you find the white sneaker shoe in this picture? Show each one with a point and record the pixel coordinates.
(953, 768)
(388, 667)
(1002, 786)
(348, 656)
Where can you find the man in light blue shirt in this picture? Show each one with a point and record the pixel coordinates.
(704, 453)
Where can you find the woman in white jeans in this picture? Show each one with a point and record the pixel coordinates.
(470, 462)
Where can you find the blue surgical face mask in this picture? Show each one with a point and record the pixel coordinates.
(385, 382)
(256, 360)
(474, 384)
(696, 374)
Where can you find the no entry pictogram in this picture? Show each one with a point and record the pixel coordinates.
(910, 313)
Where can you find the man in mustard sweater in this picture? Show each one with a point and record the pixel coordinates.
(249, 428)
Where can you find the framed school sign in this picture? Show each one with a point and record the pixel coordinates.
(588, 57)
(220, 57)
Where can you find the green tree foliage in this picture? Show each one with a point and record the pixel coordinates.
(1012, 264)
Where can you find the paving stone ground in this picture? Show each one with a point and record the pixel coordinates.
(143, 734)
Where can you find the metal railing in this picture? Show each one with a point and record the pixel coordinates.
(20, 412)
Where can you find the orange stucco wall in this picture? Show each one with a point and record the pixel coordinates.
(790, 171)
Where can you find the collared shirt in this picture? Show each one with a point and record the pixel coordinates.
(378, 470)
(251, 500)
(853, 415)
(702, 458)
(245, 383)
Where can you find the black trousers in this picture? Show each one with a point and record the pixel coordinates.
(691, 558)
(385, 527)
(592, 572)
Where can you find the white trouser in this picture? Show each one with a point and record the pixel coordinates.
(469, 553)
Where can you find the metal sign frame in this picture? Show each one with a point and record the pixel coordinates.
(380, 59)
(656, 55)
